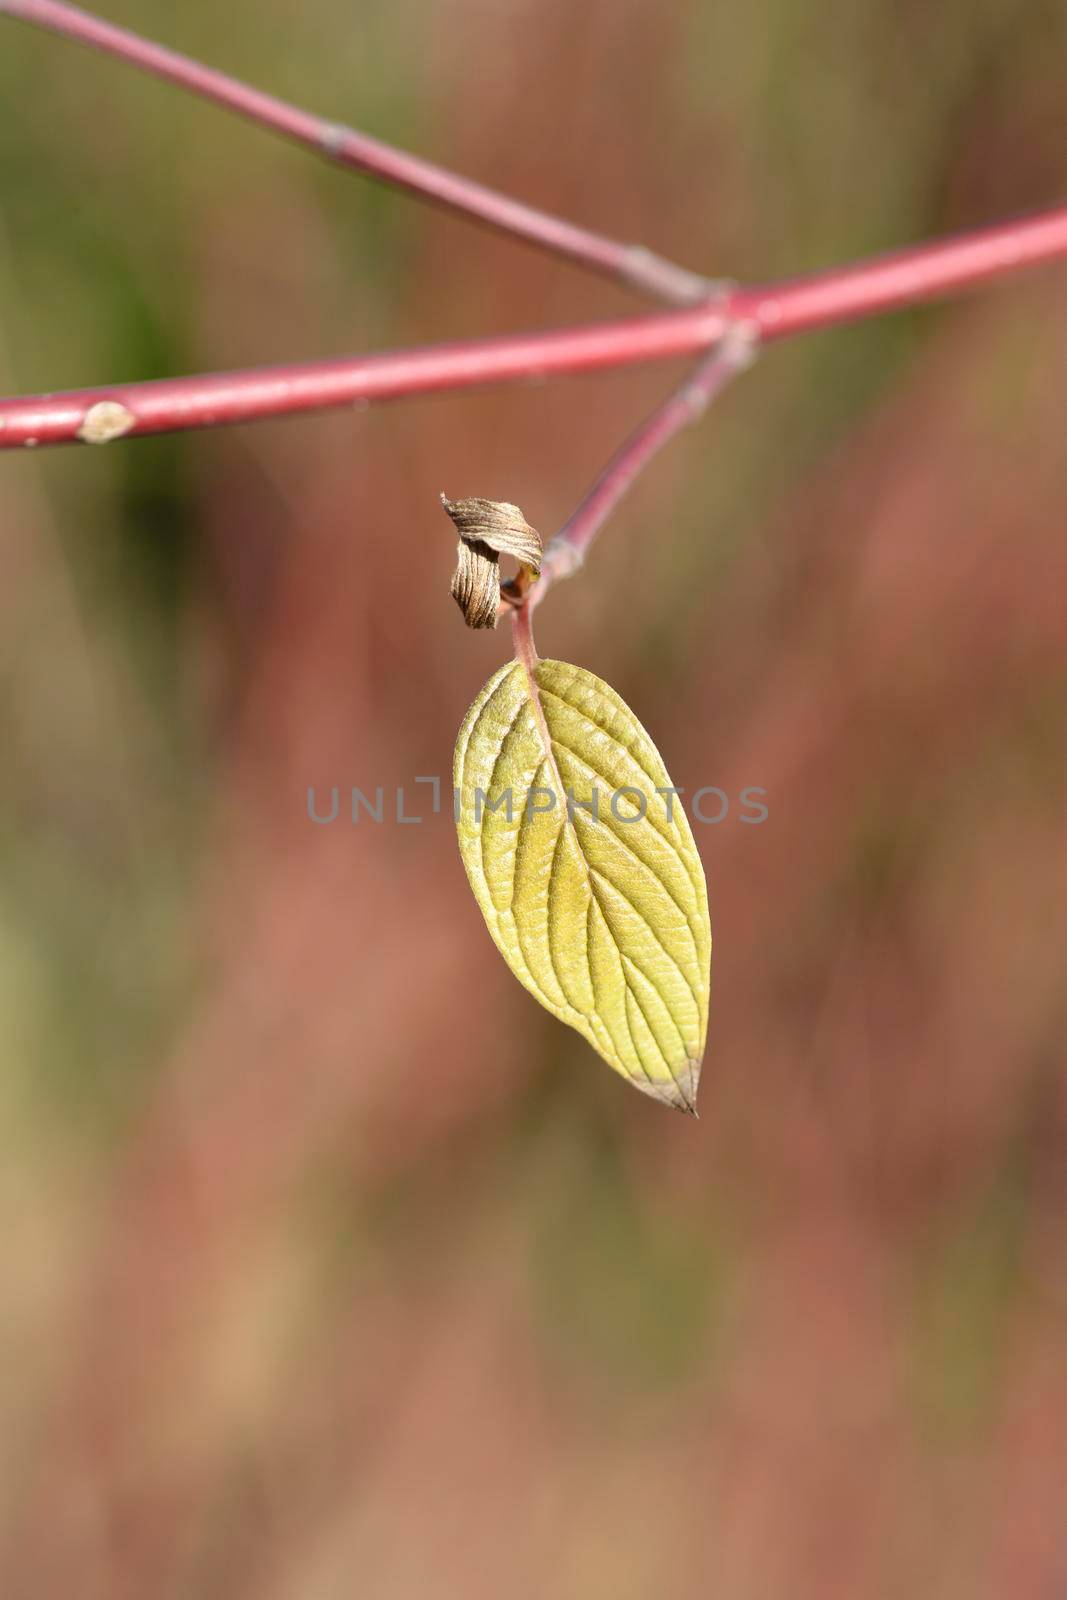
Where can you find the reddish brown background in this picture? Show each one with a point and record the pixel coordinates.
(331, 1266)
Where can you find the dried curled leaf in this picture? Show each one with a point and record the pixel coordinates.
(602, 914)
(487, 530)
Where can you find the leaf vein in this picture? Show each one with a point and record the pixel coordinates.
(668, 839)
(596, 872)
(587, 816)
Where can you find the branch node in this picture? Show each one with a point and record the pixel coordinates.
(563, 560)
(333, 137)
(104, 421)
(643, 269)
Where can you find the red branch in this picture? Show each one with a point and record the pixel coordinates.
(773, 311)
(631, 264)
(203, 402)
(769, 312)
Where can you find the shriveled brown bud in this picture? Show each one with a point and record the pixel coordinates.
(487, 530)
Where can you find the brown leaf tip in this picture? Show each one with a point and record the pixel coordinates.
(679, 1093)
(487, 530)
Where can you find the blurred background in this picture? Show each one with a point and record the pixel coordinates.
(331, 1265)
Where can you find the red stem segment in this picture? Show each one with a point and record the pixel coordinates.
(630, 264)
(170, 404)
(772, 311)
(905, 277)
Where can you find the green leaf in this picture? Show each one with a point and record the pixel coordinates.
(603, 918)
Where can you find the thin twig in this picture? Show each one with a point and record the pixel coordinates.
(775, 311)
(631, 265)
(566, 552)
(522, 637)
